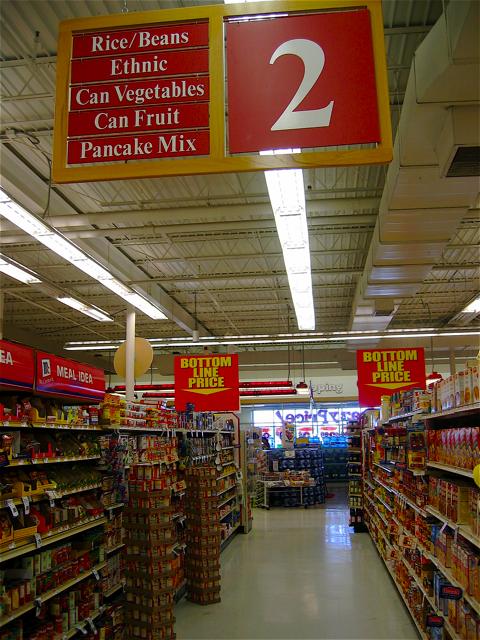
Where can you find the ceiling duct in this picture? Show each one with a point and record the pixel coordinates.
(421, 207)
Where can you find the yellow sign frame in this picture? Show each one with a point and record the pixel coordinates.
(217, 161)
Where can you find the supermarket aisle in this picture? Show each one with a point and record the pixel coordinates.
(300, 574)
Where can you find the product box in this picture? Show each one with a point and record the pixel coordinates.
(475, 384)
(461, 384)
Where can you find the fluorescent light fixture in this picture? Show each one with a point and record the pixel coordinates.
(473, 306)
(287, 197)
(54, 240)
(20, 273)
(312, 338)
(92, 312)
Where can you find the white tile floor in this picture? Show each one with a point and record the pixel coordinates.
(300, 573)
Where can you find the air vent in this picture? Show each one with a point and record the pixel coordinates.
(383, 308)
(465, 163)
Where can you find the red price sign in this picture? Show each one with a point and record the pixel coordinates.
(209, 383)
(382, 372)
(301, 81)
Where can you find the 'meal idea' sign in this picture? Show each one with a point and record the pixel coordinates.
(205, 90)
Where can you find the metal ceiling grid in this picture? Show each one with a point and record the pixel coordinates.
(209, 235)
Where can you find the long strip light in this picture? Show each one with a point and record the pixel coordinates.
(473, 306)
(56, 242)
(308, 338)
(287, 197)
(88, 310)
(14, 270)
(286, 191)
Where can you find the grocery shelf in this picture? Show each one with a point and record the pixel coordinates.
(387, 506)
(383, 484)
(368, 483)
(405, 416)
(22, 463)
(224, 464)
(226, 475)
(229, 512)
(227, 500)
(83, 623)
(227, 489)
(117, 547)
(463, 529)
(31, 425)
(55, 495)
(114, 506)
(50, 538)
(468, 473)
(50, 594)
(421, 632)
(113, 590)
(465, 410)
(227, 539)
(119, 427)
(403, 497)
(385, 467)
(354, 450)
(448, 574)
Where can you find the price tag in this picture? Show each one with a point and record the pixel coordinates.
(81, 627)
(92, 625)
(443, 528)
(26, 504)
(12, 507)
(51, 495)
(96, 574)
(38, 540)
(38, 606)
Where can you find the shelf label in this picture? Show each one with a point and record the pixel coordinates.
(449, 592)
(26, 504)
(434, 621)
(51, 496)
(38, 606)
(81, 628)
(11, 505)
(92, 625)
(96, 574)
(38, 540)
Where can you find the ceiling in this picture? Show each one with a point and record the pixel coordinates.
(390, 246)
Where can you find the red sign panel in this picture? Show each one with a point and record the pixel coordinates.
(142, 147)
(178, 36)
(382, 372)
(301, 81)
(177, 116)
(16, 366)
(137, 80)
(69, 378)
(208, 383)
(148, 65)
(141, 94)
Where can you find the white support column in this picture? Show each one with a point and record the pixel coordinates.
(453, 366)
(130, 356)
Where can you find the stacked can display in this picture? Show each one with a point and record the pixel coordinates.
(203, 536)
(152, 565)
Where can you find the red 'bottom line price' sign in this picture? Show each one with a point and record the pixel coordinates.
(141, 147)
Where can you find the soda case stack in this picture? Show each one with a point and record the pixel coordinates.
(202, 536)
(152, 562)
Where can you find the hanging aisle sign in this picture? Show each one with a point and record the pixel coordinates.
(382, 372)
(209, 383)
(64, 377)
(16, 366)
(205, 89)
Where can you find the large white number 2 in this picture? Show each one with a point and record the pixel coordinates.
(313, 58)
